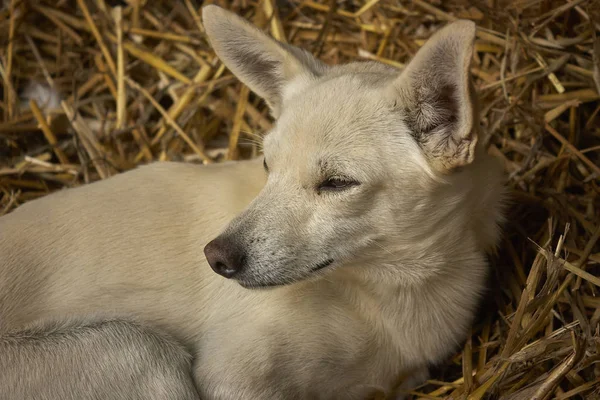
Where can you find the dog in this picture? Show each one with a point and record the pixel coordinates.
(352, 253)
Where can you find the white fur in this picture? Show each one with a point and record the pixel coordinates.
(47, 98)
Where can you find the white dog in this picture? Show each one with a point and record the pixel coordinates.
(368, 225)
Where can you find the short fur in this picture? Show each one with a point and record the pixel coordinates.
(106, 360)
(400, 248)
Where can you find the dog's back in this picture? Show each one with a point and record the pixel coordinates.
(73, 239)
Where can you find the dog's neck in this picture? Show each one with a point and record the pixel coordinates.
(399, 307)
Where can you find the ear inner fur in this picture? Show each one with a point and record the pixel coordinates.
(437, 103)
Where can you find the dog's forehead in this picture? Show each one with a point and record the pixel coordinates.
(331, 110)
(339, 137)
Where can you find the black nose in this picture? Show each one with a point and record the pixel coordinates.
(225, 256)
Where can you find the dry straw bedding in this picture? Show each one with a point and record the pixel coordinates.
(139, 83)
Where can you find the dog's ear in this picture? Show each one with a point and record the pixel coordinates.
(435, 94)
(270, 68)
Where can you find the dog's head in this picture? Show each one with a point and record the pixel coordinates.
(352, 155)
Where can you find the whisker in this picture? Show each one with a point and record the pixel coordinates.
(382, 247)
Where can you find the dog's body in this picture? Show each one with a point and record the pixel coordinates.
(375, 244)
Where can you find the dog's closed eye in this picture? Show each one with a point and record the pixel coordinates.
(266, 167)
(336, 184)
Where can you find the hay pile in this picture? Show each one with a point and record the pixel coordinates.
(93, 88)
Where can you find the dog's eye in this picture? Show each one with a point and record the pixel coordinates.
(336, 183)
(265, 165)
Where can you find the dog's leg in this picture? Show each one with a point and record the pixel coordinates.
(110, 360)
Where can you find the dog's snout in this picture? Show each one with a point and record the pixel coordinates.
(225, 257)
